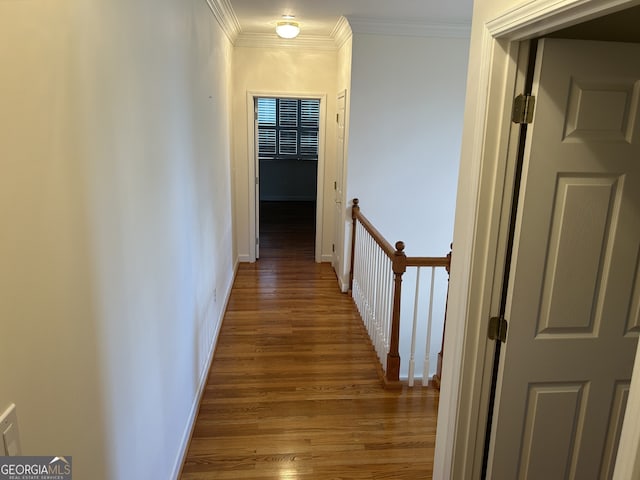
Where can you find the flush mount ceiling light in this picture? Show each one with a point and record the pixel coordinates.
(287, 28)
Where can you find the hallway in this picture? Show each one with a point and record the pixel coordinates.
(293, 391)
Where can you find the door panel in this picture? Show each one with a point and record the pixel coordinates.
(550, 446)
(616, 418)
(633, 323)
(572, 302)
(583, 210)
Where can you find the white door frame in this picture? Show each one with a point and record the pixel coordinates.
(251, 148)
(340, 220)
(484, 199)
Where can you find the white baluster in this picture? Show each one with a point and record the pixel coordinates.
(371, 288)
(386, 309)
(427, 353)
(357, 269)
(374, 279)
(365, 287)
(412, 358)
(379, 316)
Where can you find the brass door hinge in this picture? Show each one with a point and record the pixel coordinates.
(523, 106)
(498, 329)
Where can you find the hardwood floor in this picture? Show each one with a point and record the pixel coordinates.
(293, 391)
(287, 230)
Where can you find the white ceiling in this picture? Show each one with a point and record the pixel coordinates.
(319, 18)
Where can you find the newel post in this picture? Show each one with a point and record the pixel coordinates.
(355, 209)
(393, 357)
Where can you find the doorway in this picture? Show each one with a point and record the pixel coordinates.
(564, 371)
(478, 273)
(286, 152)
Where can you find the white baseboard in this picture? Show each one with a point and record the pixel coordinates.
(344, 284)
(243, 259)
(235, 271)
(202, 382)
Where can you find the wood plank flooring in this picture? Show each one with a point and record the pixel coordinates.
(293, 391)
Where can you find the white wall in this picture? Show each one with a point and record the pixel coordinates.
(117, 231)
(406, 115)
(280, 70)
(405, 128)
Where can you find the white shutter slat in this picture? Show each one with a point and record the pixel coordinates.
(267, 112)
(288, 115)
(309, 113)
(288, 142)
(266, 142)
(309, 143)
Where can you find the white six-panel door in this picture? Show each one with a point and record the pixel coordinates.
(574, 291)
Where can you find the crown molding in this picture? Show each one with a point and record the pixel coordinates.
(409, 28)
(226, 17)
(341, 32)
(271, 40)
(524, 21)
(339, 35)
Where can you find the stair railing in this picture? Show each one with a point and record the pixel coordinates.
(375, 282)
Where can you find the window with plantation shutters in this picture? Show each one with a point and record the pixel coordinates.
(288, 128)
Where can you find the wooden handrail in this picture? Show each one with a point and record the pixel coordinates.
(429, 262)
(383, 243)
(356, 214)
(400, 262)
